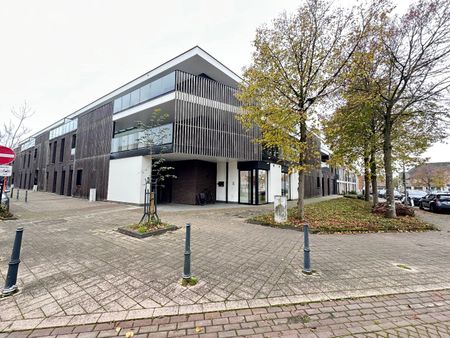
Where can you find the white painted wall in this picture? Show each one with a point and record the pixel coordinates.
(126, 181)
(221, 176)
(233, 182)
(274, 184)
(294, 186)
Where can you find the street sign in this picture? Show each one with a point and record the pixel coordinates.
(5, 170)
(7, 155)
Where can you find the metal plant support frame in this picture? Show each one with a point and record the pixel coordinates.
(150, 203)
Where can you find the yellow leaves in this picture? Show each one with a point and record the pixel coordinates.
(128, 334)
(198, 329)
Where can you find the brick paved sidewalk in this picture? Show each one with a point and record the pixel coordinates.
(76, 269)
(425, 314)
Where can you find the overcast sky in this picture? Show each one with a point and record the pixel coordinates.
(61, 55)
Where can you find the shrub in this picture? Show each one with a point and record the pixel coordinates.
(400, 209)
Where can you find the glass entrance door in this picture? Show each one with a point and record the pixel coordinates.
(285, 185)
(253, 186)
(245, 186)
(262, 187)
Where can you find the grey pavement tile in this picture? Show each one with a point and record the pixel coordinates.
(89, 268)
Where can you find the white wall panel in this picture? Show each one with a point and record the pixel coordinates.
(274, 181)
(126, 181)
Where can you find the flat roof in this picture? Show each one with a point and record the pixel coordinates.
(189, 57)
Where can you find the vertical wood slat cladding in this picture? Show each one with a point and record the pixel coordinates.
(93, 150)
(205, 120)
(28, 169)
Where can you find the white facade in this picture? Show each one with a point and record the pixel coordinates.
(233, 182)
(126, 181)
(274, 184)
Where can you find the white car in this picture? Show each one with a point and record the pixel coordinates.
(414, 197)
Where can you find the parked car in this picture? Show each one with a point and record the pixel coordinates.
(436, 202)
(397, 195)
(382, 193)
(414, 197)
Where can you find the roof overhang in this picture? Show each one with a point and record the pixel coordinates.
(195, 61)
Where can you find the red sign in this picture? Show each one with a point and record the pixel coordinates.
(7, 155)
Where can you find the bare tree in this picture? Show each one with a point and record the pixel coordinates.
(13, 130)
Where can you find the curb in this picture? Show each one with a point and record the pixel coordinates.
(108, 317)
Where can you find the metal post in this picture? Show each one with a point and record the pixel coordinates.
(187, 254)
(17, 196)
(26, 196)
(12, 192)
(306, 251)
(13, 269)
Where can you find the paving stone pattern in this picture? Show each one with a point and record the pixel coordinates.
(77, 269)
(425, 314)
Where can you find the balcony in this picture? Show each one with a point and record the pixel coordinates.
(145, 93)
(196, 85)
(135, 139)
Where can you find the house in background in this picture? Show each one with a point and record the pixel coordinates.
(212, 154)
(429, 177)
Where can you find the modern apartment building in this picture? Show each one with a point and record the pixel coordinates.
(213, 156)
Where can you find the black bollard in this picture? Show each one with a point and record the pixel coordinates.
(306, 251)
(17, 196)
(12, 192)
(26, 196)
(13, 269)
(187, 254)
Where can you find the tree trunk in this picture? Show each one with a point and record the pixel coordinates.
(387, 152)
(373, 177)
(301, 176)
(366, 179)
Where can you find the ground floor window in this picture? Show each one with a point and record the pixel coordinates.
(285, 185)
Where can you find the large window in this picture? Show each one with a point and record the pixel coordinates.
(54, 152)
(146, 92)
(79, 177)
(134, 139)
(30, 143)
(61, 150)
(63, 129)
(285, 185)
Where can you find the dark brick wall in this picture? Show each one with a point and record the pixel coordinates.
(193, 177)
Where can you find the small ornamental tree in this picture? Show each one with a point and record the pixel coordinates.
(154, 138)
(296, 65)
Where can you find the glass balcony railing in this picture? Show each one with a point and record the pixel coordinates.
(63, 129)
(146, 92)
(137, 139)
